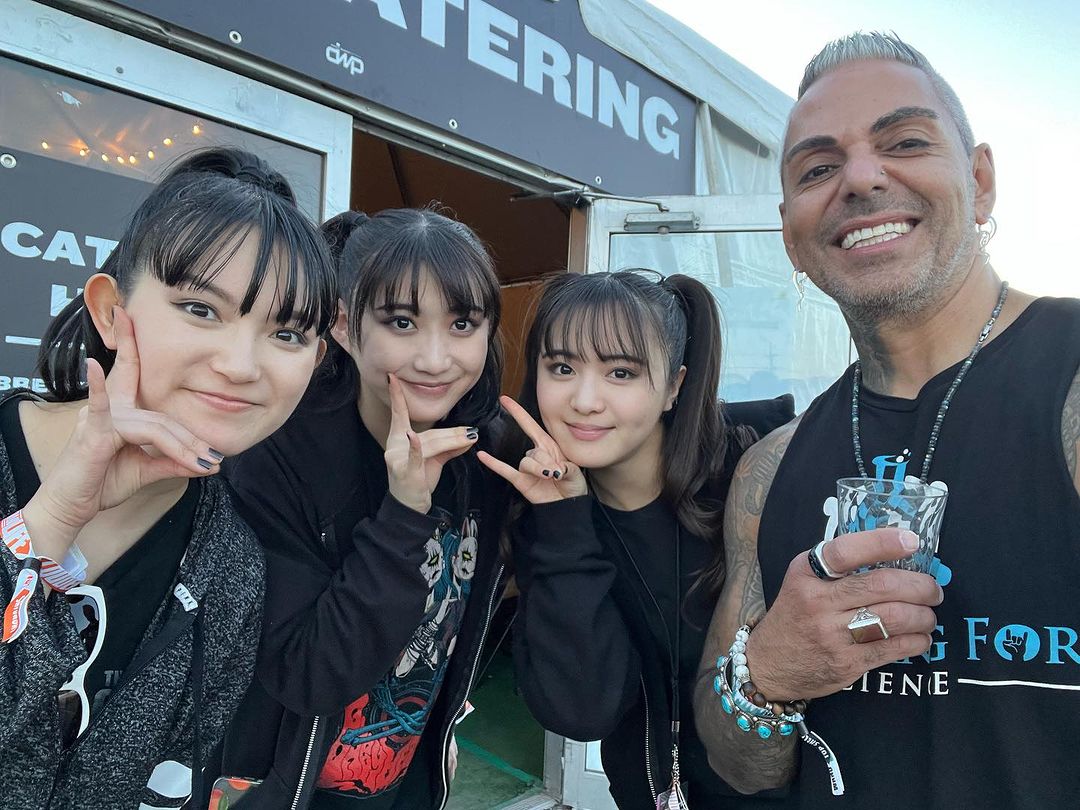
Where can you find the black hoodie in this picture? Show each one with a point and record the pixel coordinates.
(345, 594)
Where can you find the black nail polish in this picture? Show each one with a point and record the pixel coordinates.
(556, 474)
(547, 472)
(206, 465)
(472, 435)
(216, 455)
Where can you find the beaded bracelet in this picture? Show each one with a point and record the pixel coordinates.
(741, 680)
(752, 710)
(748, 715)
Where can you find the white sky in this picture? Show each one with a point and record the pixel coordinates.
(1015, 66)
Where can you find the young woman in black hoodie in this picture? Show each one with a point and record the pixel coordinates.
(619, 554)
(200, 335)
(382, 563)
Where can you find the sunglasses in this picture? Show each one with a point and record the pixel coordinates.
(87, 604)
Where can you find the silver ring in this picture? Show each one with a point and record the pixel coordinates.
(866, 626)
(818, 565)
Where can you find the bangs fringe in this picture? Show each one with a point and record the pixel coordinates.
(597, 321)
(208, 231)
(466, 282)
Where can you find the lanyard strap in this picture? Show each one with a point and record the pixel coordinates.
(673, 644)
(674, 653)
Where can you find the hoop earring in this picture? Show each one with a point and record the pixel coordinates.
(798, 278)
(986, 233)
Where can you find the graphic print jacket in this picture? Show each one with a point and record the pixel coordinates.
(347, 587)
(145, 732)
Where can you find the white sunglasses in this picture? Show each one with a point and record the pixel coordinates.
(73, 701)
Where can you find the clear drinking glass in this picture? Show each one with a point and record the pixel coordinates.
(870, 503)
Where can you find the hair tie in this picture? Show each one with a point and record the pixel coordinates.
(677, 293)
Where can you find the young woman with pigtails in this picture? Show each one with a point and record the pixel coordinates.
(133, 589)
(380, 529)
(618, 547)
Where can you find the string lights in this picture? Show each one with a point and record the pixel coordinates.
(122, 157)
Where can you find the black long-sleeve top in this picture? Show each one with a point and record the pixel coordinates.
(591, 648)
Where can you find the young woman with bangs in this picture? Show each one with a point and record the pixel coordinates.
(133, 588)
(378, 526)
(619, 550)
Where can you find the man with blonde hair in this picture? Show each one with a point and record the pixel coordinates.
(949, 690)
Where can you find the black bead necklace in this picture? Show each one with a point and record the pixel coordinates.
(932, 443)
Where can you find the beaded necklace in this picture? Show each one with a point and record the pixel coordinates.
(932, 443)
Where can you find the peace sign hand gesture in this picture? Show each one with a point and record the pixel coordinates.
(115, 450)
(544, 475)
(414, 461)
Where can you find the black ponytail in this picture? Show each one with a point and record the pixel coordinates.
(336, 379)
(696, 439)
(338, 229)
(183, 234)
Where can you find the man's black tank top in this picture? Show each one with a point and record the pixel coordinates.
(990, 717)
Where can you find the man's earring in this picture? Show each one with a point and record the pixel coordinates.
(798, 278)
(986, 233)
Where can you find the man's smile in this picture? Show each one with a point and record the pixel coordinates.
(874, 235)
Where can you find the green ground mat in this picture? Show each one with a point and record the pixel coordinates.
(501, 747)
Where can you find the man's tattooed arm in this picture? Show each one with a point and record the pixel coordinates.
(1070, 430)
(744, 761)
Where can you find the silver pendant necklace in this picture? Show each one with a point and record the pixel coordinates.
(932, 443)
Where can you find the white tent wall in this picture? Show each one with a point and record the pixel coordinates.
(741, 117)
(772, 342)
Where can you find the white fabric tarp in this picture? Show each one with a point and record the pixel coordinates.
(772, 342)
(741, 117)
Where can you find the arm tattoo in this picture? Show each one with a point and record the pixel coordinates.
(1070, 428)
(747, 764)
(758, 478)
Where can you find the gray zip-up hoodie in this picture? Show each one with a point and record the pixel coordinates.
(138, 747)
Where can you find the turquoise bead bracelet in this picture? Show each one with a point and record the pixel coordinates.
(754, 712)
